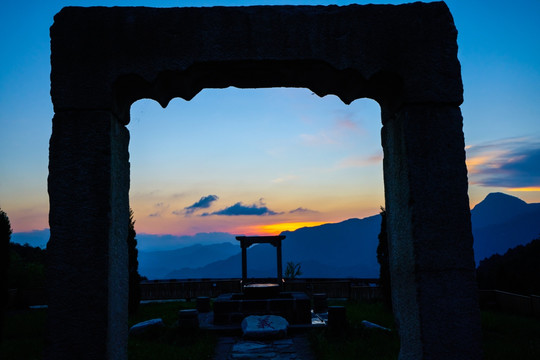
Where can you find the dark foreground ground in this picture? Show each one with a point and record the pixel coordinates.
(505, 336)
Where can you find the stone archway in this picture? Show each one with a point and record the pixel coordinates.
(404, 57)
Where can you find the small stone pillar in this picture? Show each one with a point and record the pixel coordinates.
(320, 303)
(203, 304)
(337, 319)
(188, 319)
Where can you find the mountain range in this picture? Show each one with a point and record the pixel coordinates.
(501, 222)
(348, 248)
(345, 249)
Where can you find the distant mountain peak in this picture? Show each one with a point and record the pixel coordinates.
(499, 198)
(498, 208)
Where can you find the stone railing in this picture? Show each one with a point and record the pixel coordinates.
(358, 289)
(509, 302)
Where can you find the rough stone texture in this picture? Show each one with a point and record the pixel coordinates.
(404, 57)
(394, 54)
(434, 291)
(87, 252)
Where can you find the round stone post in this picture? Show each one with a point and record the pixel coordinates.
(434, 292)
(87, 253)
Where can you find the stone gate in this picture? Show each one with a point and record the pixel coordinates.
(404, 57)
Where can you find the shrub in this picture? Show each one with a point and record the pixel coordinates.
(5, 237)
(383, 260)
(293, 270)
(133, 264)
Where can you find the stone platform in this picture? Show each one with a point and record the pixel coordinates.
(291, 348)
(233, 308)
(206, 322)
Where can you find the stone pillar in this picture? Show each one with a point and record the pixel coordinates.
(87, 253)
(279, 263)
(434, 290)
(244, 247)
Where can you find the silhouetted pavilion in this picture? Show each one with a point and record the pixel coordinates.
(247, 241)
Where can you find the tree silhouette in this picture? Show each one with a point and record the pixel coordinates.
(383, 260)
(133, 264)
(516, 271)
(5, 237)
(293, 270)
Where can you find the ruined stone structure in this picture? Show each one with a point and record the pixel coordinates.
(404, 57)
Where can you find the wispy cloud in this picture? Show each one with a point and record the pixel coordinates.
(359, 161)
(512, 163)
(341, 129)
(285, 178)
(178, 195)
(204, 203)
(302, 210)
(160, 208)
(240, 209)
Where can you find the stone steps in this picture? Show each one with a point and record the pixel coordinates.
(290, 348)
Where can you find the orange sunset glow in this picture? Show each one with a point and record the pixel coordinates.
(276, 229)
(531, 188)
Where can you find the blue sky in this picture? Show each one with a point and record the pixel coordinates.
(249, 161)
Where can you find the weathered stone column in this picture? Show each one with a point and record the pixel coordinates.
(434, 291)
(87, 253)
(244, 262)
(279, 255)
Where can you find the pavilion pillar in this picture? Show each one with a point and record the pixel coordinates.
(87, 253)
(434, 291)
(279, 262)
(244, 247)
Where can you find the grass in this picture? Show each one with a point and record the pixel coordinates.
(504, 336)
(510, 337)
(24, 333)
(170, 343)
(358, 342)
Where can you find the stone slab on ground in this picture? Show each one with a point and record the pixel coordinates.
(249, 349)
(266, 326)
(224, 347)
(291, 348)
(146, 326)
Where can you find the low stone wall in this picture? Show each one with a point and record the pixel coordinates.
(509, 302)
(365, 293)
(232, 308)
(187, 289)
(354, 288)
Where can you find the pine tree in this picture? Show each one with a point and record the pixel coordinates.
(383, 257)
(5, 237)
(133, 263)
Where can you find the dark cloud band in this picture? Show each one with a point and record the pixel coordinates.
(241, 209)
(203, 203)
(515, 165)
